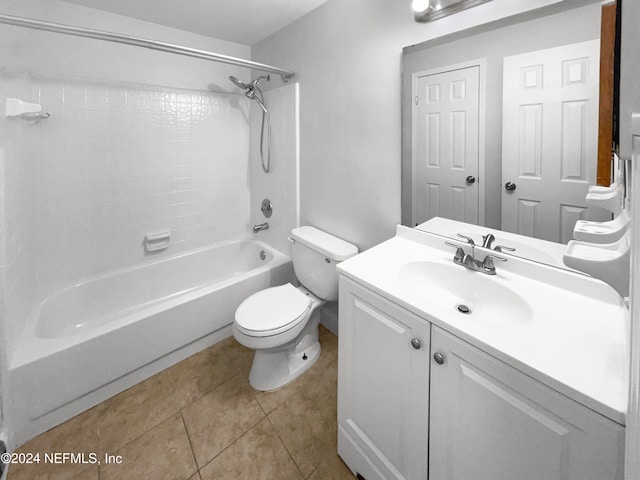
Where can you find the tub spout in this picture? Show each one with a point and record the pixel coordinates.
(260, 226)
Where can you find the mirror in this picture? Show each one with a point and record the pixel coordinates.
(501, 71)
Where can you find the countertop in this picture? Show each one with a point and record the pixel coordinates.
(575, 341)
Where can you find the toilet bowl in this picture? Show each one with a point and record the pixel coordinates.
(281, 323)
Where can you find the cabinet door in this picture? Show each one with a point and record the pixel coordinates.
(490, 421)
(383, 386)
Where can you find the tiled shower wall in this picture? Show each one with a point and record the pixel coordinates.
(114, 162)
(281, 185)
(17, 236)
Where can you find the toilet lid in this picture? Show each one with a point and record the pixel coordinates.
(272, 310)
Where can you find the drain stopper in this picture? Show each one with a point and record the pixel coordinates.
(463, 309)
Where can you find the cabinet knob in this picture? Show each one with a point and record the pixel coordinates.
(415, 343)
(439, 358)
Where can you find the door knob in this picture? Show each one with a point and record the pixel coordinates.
(471, 180)
(510, 186)
(415, 343)
(439, 358)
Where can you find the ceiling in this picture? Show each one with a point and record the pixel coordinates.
(242, 21)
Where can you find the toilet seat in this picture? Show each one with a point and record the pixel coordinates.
(272, 311)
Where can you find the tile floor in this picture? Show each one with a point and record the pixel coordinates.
(200, 420)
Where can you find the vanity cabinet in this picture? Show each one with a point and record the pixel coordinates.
(442, 409)
(490, 421)
(383, 386)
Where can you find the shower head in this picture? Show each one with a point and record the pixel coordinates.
(238, 83)
(253, 84)
(257, 80)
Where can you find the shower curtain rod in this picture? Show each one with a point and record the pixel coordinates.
(141, 42)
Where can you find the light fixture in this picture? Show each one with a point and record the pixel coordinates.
(429, 10)
(420, 6)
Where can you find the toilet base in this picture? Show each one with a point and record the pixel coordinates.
(274, 368)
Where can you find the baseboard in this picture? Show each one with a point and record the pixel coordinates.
(329, 317)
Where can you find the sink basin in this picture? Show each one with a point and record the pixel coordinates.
(474, 295)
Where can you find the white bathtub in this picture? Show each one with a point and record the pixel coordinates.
(86, 336)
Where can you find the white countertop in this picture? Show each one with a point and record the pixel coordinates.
(574, 340)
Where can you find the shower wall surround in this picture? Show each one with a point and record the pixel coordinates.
(281, 185)
(113, 162)
(17, 239)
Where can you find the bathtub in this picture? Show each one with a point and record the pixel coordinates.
(85, 337)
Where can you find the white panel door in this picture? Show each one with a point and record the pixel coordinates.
(447, 145)
(550, 140)
(489, 421)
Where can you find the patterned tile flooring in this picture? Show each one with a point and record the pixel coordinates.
(200, 420)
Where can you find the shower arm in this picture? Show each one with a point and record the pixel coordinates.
(141, 42)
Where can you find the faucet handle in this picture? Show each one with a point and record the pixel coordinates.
(459, 251)
(502, 248)
(468, 239)
(488, 260)
(487, 263)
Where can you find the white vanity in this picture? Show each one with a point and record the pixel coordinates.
(446, 373)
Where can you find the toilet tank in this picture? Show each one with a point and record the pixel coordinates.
(315, 254)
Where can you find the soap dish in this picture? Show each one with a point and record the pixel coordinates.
(601, 190)
(602, 232)
(608, 262)
(609, 198)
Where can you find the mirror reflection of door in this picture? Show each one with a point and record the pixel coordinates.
(550, 140)
(447, 144)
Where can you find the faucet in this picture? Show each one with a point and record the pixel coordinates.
(487, 240)
(469, 261)
(261, 226)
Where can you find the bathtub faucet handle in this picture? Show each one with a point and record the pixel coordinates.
(260, 226)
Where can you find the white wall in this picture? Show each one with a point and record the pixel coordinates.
(629, 74)
(281, 184)
(347, 57)
(5, 426)
(24, 50)
(630, 102)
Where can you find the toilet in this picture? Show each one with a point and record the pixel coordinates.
(281, 323)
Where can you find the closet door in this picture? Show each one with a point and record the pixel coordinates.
(447, 145)
(550, 140)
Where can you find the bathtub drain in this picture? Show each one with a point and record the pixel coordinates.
(263, 254)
